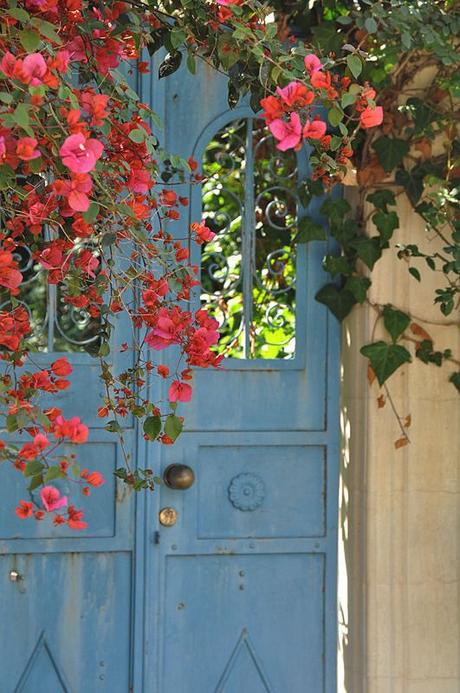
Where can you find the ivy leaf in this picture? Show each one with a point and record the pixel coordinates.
(310, 231)
(412, 182)
(395, 322)
(455, 380)
(385, 358)
(386, 222)
(339, 302)
(415, 273)
(152, 427)
(390, 151)
(173, 426)
(170, 64)
(354, 65)
(335, 265)
(358, 287)
(422, 114)
(368, 250)
(381, 199)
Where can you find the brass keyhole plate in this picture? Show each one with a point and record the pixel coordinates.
(168, 517)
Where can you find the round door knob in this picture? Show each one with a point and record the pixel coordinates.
(178, 476)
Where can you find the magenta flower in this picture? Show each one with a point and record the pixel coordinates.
(312, 63)
(34, 67)
(179, 392)
(79, 154)
(52, 499)
(288, 133)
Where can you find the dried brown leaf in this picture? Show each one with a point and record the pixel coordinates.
(381, 401)
(370, 374)
(420, 332)
(401, 442)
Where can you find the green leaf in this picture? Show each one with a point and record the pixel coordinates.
(177, 36)
(335, 265)
(33, 467)
(173, 426)
(335, 115)
(47, 29)
(52, 473)
(35, 482)
(310, 231)
(19, 14)
(455, 380)
(138, 135)
(370, 25)
(386, 224)
(390, 151)
(91, 213)
(395, 322)
(191, 63)
(339, 302)
(21, 115)
(354, 65)
(5, 97)
(415, 273)
(422, 114)
(368, 250)
(411, 182)
(29, 39)
(385, 358)
(152, 427)
(381, 199)
(358, 287)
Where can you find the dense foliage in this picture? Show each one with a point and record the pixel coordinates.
(84, 186)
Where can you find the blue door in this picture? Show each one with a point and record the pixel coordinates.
(228, 586)
(241, 580)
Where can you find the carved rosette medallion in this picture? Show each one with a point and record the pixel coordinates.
(246, 492)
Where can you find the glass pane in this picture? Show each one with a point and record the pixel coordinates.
(248, 270)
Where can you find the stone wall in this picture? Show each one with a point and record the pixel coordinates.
(399, 525)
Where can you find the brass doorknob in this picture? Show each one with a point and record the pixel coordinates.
(178, 476)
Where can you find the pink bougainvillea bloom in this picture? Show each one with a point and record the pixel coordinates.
(52, 499)
(41, 442)
(77, 198)
(2, 147)
(26, 149)
(34, 68)
(163, 335)
(24, 509)
(288, 133)
(295, 94)
(315, 129)
(139, 180)
(79, 154)
(179, 392)
(10, 277)
(371, 117)
(312, 63)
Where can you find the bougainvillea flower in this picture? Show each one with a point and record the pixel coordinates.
(24, 509)
(7, 64)
(312, 63)
(287, 132)
(202, 233)
(315, 129)
(296, 94)
(10, 276)
(61, 367)
(41, 442)
(80, 185)
(73, 429)
(26, 149)
(92, 478)
(34, 68)
(80, 154)
(75, 518)
(179, 392)
(52, 499)
(371, 117)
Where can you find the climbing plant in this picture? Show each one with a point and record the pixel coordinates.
(87, 191)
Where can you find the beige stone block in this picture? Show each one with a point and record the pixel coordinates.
(433, 544)
(433, 686)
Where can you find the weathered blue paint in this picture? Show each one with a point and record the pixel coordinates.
(241, 592)
(240, 595)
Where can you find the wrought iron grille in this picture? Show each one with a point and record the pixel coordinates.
(248, 271)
